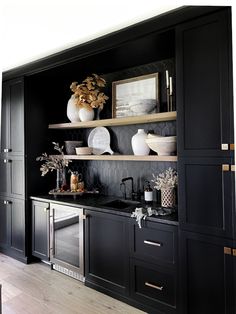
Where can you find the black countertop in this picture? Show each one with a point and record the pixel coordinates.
(97, 202)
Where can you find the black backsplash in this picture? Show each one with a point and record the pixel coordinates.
(107, 175)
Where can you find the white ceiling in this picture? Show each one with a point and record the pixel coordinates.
(32, 29)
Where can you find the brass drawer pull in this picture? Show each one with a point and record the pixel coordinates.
(225, 167)
(152, 243)
(160, 288)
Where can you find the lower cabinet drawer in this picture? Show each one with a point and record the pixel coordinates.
(155, 242)
(154, 286)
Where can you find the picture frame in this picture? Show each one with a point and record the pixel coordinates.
(136, 96)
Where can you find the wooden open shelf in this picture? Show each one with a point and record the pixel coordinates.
(122, 157)
(156, 117)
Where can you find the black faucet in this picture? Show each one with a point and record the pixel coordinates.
(132, 186)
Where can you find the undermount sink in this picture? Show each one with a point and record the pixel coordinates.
(121, 204)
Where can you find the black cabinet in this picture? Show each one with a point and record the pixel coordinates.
(153, 266)
(12, 234)
(207, 274)
(12, 170)
(106, 252)
(40, 229)
(12, 176)
(12, 120)
(204, 86)
(206, 195)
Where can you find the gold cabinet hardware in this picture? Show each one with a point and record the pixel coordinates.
(148, 284)
(232, 167)
(224, 146)
(227, 250)
(227, 146)
(225, 167)
(152, 243)
(234, 252)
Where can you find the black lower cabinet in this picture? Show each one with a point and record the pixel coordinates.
(206, 275)
(12, 232)
(40, 230)
(106, 253)
(154, 285)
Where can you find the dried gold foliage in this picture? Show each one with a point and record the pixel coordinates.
(87, 94)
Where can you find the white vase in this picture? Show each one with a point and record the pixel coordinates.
(86, 115)
(138, 143)
(73, 110)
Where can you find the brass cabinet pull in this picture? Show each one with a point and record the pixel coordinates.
(227, 146)
(232, 167)
(227, 250)
(234, 252)
(225, 167)
(224, 146)
(160, 288)
(152, 243)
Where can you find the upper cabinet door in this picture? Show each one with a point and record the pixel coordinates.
(12, 118)
(204, 86)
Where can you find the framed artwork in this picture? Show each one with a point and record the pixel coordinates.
(136, 96)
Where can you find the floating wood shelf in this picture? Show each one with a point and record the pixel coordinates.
(156, 117)
(122, 157)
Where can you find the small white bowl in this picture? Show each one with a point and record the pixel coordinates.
(83, 150)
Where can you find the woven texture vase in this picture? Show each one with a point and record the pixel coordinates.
(168, 198)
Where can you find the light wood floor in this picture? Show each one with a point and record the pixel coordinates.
(36, 289)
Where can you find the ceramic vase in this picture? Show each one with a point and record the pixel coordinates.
(73, 110)
(168, 197)
(138, 143)
(86, 115)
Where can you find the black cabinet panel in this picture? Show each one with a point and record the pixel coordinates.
(204, 86)
(206, 196)
(154, 286)
(13, 118)
(106, 251)
(4, 223)
(12, 176)
(12, 225)
(207, 280)
(154, 242)
(40, 230)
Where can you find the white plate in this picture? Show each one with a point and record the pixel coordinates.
(99, 140)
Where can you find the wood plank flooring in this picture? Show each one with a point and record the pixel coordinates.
(36, 289)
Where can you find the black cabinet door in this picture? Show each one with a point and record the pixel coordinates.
(106, 252)
(12, 225)
(12, 128)
(206, 275)
(206, 195)
(40, 230)
(204, 86)
(16, 225)
(12, 182)
(3, 223)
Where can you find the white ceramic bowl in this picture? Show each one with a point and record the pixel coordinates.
(163, 146)
(83, 150)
